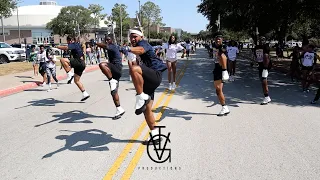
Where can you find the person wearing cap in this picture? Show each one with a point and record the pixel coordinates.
(262, 57)
(220, 72)
(113, 71)
(146, 77)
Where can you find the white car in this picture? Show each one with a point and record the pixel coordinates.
(9, 53)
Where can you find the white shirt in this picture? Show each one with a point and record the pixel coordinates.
(51, 64)
(232, 52)
(188, 46)
(308, 59)
(172, 50)
(41, 56)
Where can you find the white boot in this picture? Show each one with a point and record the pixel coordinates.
(113, 84)
(141, 101)
(266, 100)
(85, 96)
(224, 111)
(120, 111)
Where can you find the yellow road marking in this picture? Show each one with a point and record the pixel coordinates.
(116, 165)
(136, 158)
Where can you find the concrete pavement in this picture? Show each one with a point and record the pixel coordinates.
(52, 135)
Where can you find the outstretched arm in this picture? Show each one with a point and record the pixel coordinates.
(102, 45)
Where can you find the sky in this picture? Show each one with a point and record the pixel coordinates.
(176, 13)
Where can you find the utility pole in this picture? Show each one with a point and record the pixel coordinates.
(18, 24)
(121, 23)
(139, 11)
(3, 35)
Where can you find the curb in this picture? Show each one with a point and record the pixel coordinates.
(17, 89)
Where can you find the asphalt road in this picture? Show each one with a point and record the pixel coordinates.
(52, 135)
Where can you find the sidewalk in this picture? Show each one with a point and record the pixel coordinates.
(14, 83)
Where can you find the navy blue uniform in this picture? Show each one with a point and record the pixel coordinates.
(76, 58)
(115, 61)
(152, 68)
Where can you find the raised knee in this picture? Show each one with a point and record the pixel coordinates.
(135, 69)
(101, 65)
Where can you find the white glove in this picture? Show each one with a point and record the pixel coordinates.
(225, 75)
(265, 73)
(131, 57)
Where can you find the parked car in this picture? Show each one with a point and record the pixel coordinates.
(56, 51)
(9, 53)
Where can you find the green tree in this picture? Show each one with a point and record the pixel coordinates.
(185, 36)
(69, 19)
(96, 10)
(6, 7)
(151, 15)
(119, 11)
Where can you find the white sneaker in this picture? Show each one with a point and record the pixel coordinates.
(120, 111)
(266, 100)
(170, 87)
(58, 85)
(113, 84)
(49, 88)
(173, 86)
(224, 111)
(85, 96)
(141, 101)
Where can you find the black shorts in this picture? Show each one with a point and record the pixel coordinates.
(42, 68)
(261, 67)
(152, 80)
(217, 72)
(116, 71)
(78, 65)
(307, 68)
(187, 52)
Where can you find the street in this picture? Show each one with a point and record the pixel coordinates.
(52, 135)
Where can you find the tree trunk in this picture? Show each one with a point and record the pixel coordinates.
(149, 31)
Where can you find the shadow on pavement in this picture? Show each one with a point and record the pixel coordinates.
(87, 140)
(245, 89)
(74, 116)
(176, 113)
(24, 77)
(45, 102)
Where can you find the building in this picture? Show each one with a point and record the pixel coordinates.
(179, 32)
(167, 30)
(32, 20)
